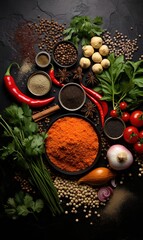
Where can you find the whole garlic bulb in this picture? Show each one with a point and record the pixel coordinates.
(97, 68)
(96, 42)
(96, 57)
(88, 50)
(84, 62)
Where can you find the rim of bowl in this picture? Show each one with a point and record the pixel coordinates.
(59, 64)
(42, 53)
(68, 85)
(42, 73)
(83, 171)
(120, 120)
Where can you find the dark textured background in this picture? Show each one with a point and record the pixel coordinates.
(117, 14)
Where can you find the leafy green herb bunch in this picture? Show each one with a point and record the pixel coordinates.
(25, 146)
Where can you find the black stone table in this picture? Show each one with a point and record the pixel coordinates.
(124, 221)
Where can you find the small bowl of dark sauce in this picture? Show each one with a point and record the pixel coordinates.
(72, 96)
(114, 128)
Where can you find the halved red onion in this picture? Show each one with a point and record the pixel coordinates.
(104, 193)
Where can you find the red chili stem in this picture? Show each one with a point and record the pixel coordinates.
(18, 95)
(54, 80)
(99, 108)
(98, 97)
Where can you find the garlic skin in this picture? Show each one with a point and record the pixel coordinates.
(88, 50)
(85, 62)
(96, 42)
(119, 157)
(96, 57)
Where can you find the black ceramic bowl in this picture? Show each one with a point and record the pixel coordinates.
(65, 54)
(114, 128)
(72, 96)
(57, 147)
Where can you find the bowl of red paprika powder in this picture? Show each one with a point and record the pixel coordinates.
(73, 145)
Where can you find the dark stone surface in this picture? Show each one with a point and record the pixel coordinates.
(117, 14)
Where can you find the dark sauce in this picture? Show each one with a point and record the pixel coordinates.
(114, 128)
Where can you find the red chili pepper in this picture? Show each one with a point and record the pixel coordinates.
(54, 80)
(98, 97)
(21, 97)
(99, 108)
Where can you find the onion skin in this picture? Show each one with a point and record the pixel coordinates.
(97, 176)
(119, 157)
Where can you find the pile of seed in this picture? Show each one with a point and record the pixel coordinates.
(121, 44)
(78, 198)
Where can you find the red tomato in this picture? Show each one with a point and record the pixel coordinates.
(123, 105)
(131, 134)
(138, 147)
(113, 113)
(136, 118)
(141, 134)
(125, 116)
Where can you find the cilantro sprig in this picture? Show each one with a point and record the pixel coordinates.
(25, 145)
(82, 28)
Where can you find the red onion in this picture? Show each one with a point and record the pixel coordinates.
(104, 193)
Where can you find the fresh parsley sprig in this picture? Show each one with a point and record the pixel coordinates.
(23, 204)
(82, 28)
(25, 145)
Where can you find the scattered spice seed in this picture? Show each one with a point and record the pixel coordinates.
(120, 44)
(78, 197)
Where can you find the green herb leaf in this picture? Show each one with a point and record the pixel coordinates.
(25, 146)
(82, 28)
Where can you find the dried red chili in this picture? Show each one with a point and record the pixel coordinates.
(21, 97)
(54, 80)
(98, 97)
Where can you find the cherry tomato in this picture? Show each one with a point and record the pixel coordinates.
(114, 113)
(131, 134)
(141, 134)
(136, 118)
(138, 147)
(123, 105)
(125, 116)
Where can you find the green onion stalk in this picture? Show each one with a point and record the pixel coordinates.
(40, 175)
